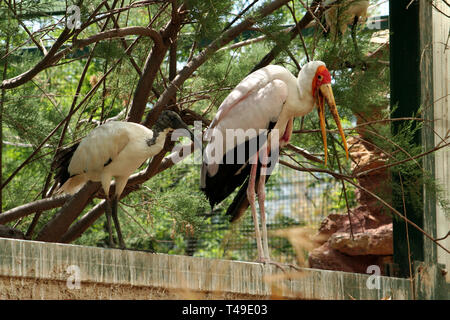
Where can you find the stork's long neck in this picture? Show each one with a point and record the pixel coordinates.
(299, 103)
(283, 127)
(305, 96)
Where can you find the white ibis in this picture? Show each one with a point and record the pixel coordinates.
(268, 98)
(114, 149)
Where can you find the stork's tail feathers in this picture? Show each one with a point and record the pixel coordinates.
(240, 202)
(60, 165)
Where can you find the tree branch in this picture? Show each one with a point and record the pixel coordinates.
(118, 33)
(157, 166)
(52, 57)
(59, 224)
(197, 61)
(315, 12)
(48, 59)
(29, 208)
(152, 65)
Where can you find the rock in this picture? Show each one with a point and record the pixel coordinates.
(376, 241)
(8, 232)
(371, 225)
(366, 157)
(373, 246)
(327, 258)
(362, 219)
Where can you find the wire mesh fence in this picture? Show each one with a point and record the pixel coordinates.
(293, 198)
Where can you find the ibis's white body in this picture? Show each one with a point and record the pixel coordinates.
(114, 149)
(340, 15)
(270, 94)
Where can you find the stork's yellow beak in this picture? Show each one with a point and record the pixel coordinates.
(325, 92)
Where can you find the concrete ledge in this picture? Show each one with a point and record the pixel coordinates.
(40, 270)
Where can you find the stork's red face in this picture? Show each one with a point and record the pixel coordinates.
(321, 90)
(321, 77)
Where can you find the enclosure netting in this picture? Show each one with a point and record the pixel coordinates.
(293, 199)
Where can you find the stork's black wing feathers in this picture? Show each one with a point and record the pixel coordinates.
(61, 164)
(240, 202)
(227, 179)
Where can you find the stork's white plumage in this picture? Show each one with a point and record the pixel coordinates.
(113, 150)
(345, 12)
(268, 98)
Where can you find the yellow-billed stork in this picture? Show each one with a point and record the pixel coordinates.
(113, 150)
(267, 99)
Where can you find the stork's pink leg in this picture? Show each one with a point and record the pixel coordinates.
(261, 199)
(251, 200)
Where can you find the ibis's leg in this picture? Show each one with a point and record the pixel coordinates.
(261, 199)
(106, 181)
(251, 200)
(115, 201)
(108, 221)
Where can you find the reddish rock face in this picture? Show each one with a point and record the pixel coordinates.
(371, 225)
(377, 241)
(327, 258)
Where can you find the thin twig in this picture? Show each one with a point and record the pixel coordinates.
(349, 179)
(292, 10)
(444, 237)
(41, 49)
(27, 160)
(403, 161)
(344, 190)
(239, 15)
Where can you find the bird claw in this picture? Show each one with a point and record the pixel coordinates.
(282, 266)
(268, 261)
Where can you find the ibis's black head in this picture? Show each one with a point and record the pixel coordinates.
(171, 120)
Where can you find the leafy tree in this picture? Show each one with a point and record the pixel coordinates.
(131, 60)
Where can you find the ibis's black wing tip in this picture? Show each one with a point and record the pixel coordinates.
(61, 164)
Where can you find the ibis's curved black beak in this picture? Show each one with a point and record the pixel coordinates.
(180, 124)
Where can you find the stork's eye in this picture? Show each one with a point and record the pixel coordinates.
(319, 77)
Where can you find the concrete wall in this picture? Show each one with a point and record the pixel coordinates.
(39, 270)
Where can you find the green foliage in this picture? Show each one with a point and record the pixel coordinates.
(409, 176)
(169, 214)
(209, 17)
